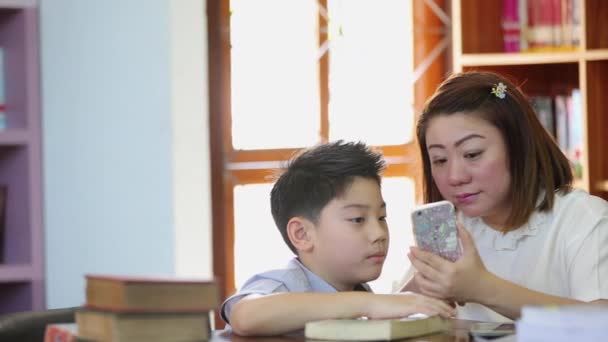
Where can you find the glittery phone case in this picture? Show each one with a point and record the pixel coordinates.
(434, 226)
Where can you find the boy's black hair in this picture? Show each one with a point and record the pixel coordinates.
(318, 175)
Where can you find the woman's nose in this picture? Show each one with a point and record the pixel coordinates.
(457, 173)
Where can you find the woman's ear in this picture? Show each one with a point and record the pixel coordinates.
(299, 231)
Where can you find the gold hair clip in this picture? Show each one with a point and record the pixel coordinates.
(500, 90)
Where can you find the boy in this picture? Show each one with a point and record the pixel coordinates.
(329, 209)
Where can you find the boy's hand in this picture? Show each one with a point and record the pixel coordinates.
(404, 304)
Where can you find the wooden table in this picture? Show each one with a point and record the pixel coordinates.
(459, 332)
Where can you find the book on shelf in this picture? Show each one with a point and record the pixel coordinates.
(522, 17)
(511, 26)
(374, 329)
(104, 326)
(2, 91)
(543, 105)
(561, 115)
(150, 294)
(540, 25)
(561, 122)
(3, 198)
(575, 123)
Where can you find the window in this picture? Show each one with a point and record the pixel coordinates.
(290, 74)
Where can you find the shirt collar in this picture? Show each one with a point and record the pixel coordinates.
(317, 283)
(511, 239)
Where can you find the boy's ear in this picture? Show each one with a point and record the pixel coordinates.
(299, 231)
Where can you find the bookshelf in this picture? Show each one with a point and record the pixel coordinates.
(21, 239)
(477, 44)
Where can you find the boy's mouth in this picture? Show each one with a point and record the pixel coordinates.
(377, 257)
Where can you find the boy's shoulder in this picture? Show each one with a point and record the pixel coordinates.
(292, 277)
(295, 277)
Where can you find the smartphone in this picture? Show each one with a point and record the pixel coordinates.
(487, 329)
(434, 226)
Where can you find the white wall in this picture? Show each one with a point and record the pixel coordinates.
(191, 155)
(125, 141)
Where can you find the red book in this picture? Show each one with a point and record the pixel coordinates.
(511, 25)
(151, 294)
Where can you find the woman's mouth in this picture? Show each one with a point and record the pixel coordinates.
(466, 198)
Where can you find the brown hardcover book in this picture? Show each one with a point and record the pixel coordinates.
(140, 294)
(105, 326)
(374, 329)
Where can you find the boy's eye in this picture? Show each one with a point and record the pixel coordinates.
(357, 220)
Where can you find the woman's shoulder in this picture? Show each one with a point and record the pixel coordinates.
(580, 200)
(580, 206)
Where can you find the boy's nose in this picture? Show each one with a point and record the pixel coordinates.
(379, 231)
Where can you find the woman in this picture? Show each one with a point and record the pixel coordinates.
(527, 237)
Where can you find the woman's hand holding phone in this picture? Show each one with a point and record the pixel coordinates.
(463, 280)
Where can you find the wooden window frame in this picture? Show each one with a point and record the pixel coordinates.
(402, 160)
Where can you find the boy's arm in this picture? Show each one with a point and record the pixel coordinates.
(281, 313)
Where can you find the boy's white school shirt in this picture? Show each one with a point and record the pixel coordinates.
(563, 252)
(295, 277)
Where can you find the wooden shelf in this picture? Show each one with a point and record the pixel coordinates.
(602, 186)
(596, 55)
(520, 58)
(22, 273)
(15, 273)
(13, 138)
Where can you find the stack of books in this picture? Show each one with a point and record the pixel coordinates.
(120, 308)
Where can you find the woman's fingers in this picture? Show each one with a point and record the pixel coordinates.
(429, 287)
(430, 259)
(424, 271)
(466, 239)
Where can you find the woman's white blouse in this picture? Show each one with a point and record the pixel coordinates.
(563, 252)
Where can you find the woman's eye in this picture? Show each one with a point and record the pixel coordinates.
(382, 218)
(438, 162)
(357, 220)
(473, 155)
